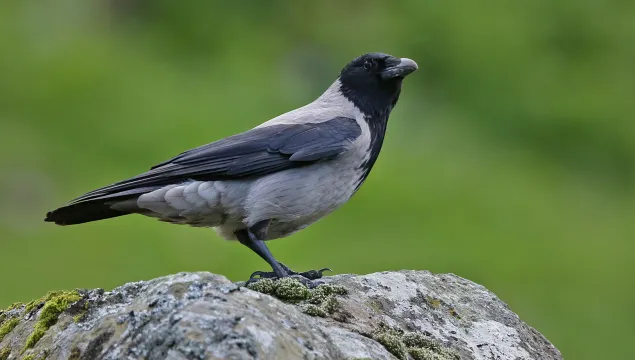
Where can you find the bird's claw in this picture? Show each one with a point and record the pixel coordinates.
(258, 275)
(303, 277)
(313, 274)
(311, 284)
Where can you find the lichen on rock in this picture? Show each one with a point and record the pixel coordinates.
(319, 301)
(290, 290)
(8, 326)
(265, 286)
(75, 353)
(391, 340)
(4, 353)
(14, 306)
(422, 347)
(54, 303)
(202, 315)
(416, 344)
(77, 318)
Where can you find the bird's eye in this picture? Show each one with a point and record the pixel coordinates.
(368, 64)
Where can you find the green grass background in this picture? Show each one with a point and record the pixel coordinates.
(510, 159)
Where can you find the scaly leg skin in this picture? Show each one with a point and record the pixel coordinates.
(311, 274)
(249, 238)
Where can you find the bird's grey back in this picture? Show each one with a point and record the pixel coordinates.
(293, 198)
(329, 105)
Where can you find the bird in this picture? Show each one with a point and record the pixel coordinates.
(270, 181)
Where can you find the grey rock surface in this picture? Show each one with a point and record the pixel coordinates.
(206, 316)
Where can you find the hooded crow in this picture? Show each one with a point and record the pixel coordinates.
(270, 181)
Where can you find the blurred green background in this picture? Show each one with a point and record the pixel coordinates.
(510, 159)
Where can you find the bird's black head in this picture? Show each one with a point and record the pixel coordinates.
(373, 82)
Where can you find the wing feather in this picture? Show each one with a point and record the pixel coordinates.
(257, 152)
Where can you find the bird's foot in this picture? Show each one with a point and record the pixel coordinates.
(307, 278)
(311, 274)
(259, 275)
(311, 284)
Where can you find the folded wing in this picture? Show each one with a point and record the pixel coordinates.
(257, 152)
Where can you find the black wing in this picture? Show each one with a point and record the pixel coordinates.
(256, 152)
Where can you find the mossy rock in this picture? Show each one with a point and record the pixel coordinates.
(319, 301)
(190, 309)
(4, 353)
(8, 326)
(416, 344)
(52, 305)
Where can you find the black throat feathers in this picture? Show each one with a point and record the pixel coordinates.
(375, 101)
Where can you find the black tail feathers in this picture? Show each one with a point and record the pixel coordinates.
(98, 205)
(83, 212)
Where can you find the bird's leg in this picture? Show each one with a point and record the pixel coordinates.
(249, 239)
(252, 239)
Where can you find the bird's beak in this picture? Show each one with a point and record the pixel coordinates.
(404, 67)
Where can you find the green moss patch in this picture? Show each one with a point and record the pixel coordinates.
(7, 326)
(438, 304)
(29, 357)
(80, 316)
(375, 305)
(75, 353)
(54, 303)
(419, 346)
(30, 306)
(391, 340)
(4, 353)
(14, 306)
(320, 301)
(434, 303)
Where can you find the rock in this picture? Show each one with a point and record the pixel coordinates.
(388, 315)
